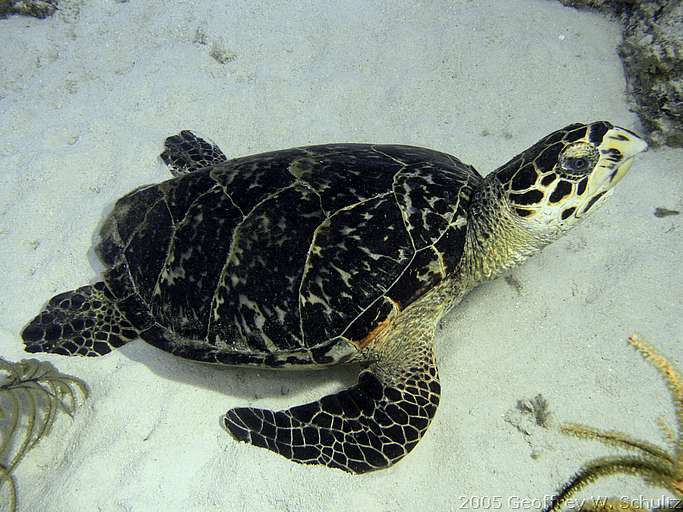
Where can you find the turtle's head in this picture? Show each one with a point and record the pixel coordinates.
(568, 174)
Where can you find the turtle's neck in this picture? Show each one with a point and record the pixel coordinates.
(497, 238)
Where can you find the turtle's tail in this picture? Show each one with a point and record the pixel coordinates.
(82, 322)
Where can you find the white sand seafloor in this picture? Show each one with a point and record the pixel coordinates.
(86, 99)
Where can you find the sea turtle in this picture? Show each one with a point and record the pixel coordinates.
(320, 255)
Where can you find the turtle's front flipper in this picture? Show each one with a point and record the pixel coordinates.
(82, 322)
(185, 153)
(366, 427)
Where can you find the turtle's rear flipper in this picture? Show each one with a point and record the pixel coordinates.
(366, 427)
(186, 153)
(83, 322)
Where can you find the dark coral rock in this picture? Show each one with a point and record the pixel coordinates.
(35, 8)
(611, 6)
(652, 53)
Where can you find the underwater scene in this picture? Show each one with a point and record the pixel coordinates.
(315, 256)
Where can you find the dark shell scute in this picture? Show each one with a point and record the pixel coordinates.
(132, 208)
(408, 155)
(193, 263)
(137, 312)
(250, 180)
(181, 192)
(370, 319)
(421, 275)
(338, 172)
(123, 222)
(451, 246)
(430, 197)
(258, 288)
(146, 250)
(356, 255)
(118, 280)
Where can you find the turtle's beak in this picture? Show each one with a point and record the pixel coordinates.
(626, 141)
(618, 147)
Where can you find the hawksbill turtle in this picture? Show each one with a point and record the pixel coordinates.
(321, 255)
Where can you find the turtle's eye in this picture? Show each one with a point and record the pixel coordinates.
(577, 165)
(579, 159)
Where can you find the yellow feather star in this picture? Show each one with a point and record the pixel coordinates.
(31, 394)
(656, 466)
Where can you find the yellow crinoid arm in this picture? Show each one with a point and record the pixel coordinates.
(647, 468)
(674, 382)
(617, 439)
(667, 431)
